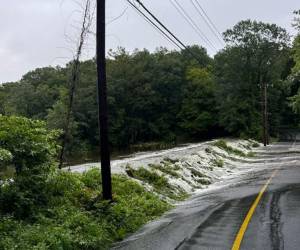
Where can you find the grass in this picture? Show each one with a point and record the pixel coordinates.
(77, 218)
(250, 154)
(167, 169)
(218, 163)
(150, 146)
(255, 145)
(158, 182)
(199, 177)
(208, 150)
(223, 145)
(172, 161)
(196, 173)
(142, 174)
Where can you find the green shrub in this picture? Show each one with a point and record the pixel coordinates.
(6, 171)
(25, 196)
(5, 156)
(31, 149)
(75, 216)
(29, 142)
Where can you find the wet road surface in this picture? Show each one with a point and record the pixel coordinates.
(213, 218)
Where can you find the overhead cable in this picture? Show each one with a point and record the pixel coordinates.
(154, 25)
(209, 20)
(207, 23)
(195, 26)
(167, 30)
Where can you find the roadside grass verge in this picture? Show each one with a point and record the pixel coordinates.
(159, 183)
(168, 169)
(222, 144)
(76, 217)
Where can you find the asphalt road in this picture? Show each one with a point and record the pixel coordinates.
(257, 209)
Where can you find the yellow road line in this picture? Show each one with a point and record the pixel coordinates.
(243, 228)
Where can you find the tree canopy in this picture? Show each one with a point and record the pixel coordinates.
(168, 96)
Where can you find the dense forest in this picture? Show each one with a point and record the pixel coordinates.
(171, 96)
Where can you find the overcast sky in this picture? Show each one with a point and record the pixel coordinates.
(33, 32)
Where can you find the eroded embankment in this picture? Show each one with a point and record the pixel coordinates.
(176, 173)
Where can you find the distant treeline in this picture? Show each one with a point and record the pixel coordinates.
(169, 96)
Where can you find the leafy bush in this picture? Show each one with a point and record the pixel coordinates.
(29, 142)
(5, 156)
(74, 215)
(31, 149)
(5, 159)
(25, 196)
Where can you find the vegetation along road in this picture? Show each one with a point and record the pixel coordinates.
(257, 209)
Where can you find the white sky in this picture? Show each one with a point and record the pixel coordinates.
(33, 31)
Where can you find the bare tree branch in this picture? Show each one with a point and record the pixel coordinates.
(75, 67)
(116, 18)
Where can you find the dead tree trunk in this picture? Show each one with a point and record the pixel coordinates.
(74, 78)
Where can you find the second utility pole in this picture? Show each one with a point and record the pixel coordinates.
(264, 100)
(102, 101)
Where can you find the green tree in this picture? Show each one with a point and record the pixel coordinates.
(198, 115)
(256, 52)
(34, 94)
(294, 77)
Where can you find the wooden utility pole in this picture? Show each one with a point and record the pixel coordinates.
(264, 101)
(266, 113)
(102, 101)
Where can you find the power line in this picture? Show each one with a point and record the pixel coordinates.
(160, 23)
(188, 21)
(154, 25)
(209, 20)
(207, 23)
(166, 29)
(195, 25)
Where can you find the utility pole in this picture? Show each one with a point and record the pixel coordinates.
(102, 101)
(264, 103)
(266, 113)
